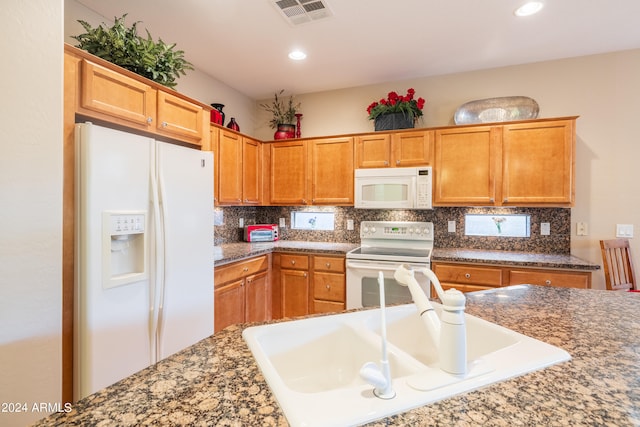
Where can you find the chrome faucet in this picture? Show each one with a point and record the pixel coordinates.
(448, 333)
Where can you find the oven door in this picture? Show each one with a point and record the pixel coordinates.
(363, 288)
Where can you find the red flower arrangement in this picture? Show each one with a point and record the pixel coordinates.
(395, 103)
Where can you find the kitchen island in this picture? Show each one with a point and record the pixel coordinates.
(217, 382)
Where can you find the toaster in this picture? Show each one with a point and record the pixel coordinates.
(261, 233)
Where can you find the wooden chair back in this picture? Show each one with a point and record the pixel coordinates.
(618, 265)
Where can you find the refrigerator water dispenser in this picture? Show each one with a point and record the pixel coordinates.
(124, 248)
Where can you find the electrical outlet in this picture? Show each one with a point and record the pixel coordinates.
(545, 228)
(451, 227)
(624, 230)
(241, 222)
(349, 224)
(582, 229)
(282, 223)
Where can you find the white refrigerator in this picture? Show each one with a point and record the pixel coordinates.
(144, 253)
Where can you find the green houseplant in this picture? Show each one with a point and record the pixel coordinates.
(121, 45)
(283, 115)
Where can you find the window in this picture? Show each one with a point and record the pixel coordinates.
(313, 220)
(497, 225)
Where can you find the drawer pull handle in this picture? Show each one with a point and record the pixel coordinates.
(547, 282)
(467, 276)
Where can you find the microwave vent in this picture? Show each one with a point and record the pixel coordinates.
(297, 12)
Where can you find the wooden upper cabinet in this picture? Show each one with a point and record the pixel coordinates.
(109, 95)
(412, 148)
(251, 171)
(180, 118)
(331, 171)
(465, 165)
(288, 173)
(214, 147)
(521, 164)
(373, 150)
(538, 163)
(229, 167)
(399, 149)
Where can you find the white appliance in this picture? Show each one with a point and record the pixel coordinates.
(385, 245)
(393, 188)
(144, 253)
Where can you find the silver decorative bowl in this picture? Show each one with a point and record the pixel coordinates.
(502, 109)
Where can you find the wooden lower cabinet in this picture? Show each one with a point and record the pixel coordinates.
(305, 284)
(475, 277)
(242, 292)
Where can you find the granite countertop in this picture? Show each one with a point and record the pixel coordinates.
(230, 252)
(524, 259)
(217, 382)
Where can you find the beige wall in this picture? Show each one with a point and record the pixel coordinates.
(604, 90)
(31, 207)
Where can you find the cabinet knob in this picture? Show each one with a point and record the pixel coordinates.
(547, 282)
(386, 163)
(248, 280)
(467, 276)
(164, 124)
(304, 202)
(328, 265)
(505, 200)
(245, 269)
(149, 119)
(293, 262)
(397, 162)
(328, 287)
(305, 274)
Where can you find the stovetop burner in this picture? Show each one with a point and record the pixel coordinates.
(402, 241)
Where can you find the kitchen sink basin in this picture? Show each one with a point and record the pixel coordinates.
(312, 365)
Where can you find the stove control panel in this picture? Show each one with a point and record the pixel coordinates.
(400, 230)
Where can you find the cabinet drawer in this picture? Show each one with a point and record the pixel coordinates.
(550, 278)
(325, 263)
(329, 286)
(327, 306)
(470, 275)
(239, 269)
(298, 262)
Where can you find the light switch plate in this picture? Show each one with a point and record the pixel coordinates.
(241, 222)
(624, 230)
(452, 227)
(282, 223)
(545, 228)
(349, 224)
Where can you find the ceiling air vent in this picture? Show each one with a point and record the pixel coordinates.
(298, 12)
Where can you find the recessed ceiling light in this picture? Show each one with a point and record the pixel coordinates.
(297, 55)
(529, 8)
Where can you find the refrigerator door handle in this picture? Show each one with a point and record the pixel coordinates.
(161, 257)
(154, 294)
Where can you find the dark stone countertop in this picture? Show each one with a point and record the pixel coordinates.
(230, 252)
(217, 382)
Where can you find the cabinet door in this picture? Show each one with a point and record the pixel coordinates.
(230, 168)
(412, 148)
(329, 287)
(229, 305)
(257, 298)
(214, 147)
(179, 118)
(538, 163)
(332, 171)
(251, 172)
(295, 292)
(288, 173)
(373, 151)
(114, 96)
(466, 166)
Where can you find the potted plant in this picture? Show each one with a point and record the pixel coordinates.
(284, 116)
(396, 111)
(123, 46)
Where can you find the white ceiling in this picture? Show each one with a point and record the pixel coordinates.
(244, 43)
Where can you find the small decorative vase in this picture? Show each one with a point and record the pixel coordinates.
(233, 125)
(298, 131)
(218, 108)
(285, 131)
(393, 121)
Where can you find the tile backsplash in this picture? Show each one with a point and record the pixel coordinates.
(227, 228)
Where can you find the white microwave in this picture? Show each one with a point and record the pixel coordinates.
(393, 188)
